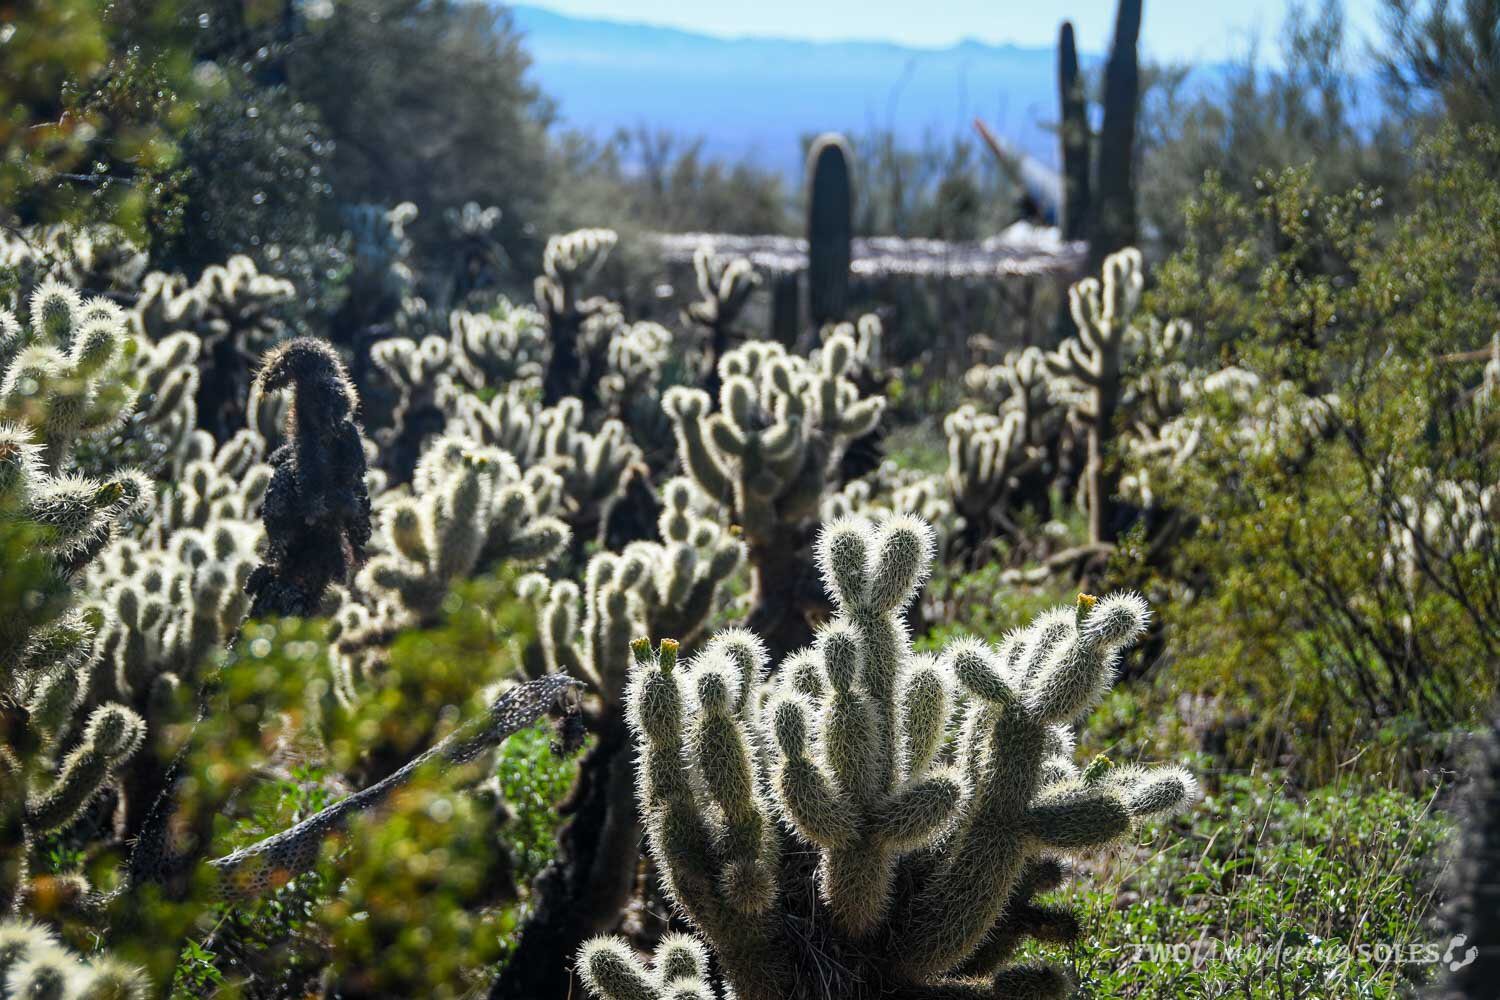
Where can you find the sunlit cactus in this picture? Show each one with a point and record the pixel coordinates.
(505, 346)
(34, 965)
(233, 309)
(768, 455)
(892, 490)
(1092, 363)
(674, 585)
(504, 350)
(937, 793)
(568, 262)
(724, 288)
(55, 371)
(678, 971)
(317, 507)
(60, 384)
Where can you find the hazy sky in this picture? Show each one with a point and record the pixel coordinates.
(1174, 29)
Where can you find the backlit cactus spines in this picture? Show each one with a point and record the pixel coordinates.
(57, 372)
(34, 965)
(414, 368)
(1005, 453)
(769, 455)
(937, 792)
(724, 288)
(471, 508)
(62, 380)
(317, 508)
(111, 735)
(505, 349)
(649, 587)
(678, 971)
(675, 584)
(233, 311)
(507, 345)
(568, 262)
(1102, 312)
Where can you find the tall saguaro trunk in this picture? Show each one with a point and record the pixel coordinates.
(830, 228)
(1073, 137)
(1114, 183)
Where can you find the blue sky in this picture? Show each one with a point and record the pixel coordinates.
(1174, 29)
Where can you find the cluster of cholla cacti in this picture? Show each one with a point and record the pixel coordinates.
(175, 462)
(1101, 425)
(865, 820)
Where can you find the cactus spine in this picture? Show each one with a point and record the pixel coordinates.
(936, 793)
(830, 228)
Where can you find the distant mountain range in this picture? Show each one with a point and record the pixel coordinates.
(754, 98)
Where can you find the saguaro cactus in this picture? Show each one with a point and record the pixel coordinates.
(1114, 180)
(934, 793)
(1073, 138)
(830, 227)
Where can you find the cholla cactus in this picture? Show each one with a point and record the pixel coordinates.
(568, 262)
(636, 358)
(56, 387)
(867, 335)
(233, 310)
(593, 466)
(675, 585)
(987, 456)
(892, 490)
(678, 971)
(768, 456)
(934, 792)
(99, 259)
(1092, 365)
(34, 965)
(432, 376)
(725, 287)
(57, 369)
(668, 586)
(317, 507)
(174, 592)
(505, 346)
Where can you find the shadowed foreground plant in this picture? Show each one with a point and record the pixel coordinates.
(929, 799)
(316, 509)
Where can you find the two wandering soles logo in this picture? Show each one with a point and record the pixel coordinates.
(1456, 955)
